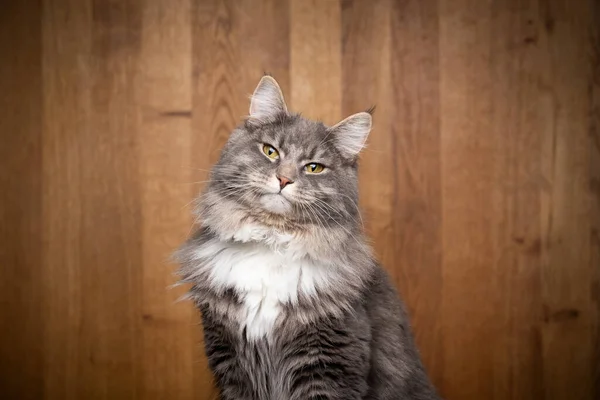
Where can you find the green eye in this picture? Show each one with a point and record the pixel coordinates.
(270, 151)
(314, 168)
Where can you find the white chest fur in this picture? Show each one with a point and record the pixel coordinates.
(265, 279)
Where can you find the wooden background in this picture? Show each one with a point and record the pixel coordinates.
(480, 187)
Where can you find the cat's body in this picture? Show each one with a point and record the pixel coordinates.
(293, 304)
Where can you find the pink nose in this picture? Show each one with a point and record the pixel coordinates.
(283, 181)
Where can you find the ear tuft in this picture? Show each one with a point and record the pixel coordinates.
(351, 134)
(267, 101)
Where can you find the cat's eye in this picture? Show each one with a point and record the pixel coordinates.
(314, 168)
(270, 151)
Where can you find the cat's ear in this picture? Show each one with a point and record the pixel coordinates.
(350, 135)
(267, 101)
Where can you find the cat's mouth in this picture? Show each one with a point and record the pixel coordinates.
(276, 203)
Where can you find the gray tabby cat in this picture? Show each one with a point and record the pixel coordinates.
(294, 306)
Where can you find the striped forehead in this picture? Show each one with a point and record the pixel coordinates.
(301, 139)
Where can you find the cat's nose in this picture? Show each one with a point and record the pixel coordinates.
(283, 181)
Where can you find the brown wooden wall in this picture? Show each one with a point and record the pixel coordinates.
(480, 187)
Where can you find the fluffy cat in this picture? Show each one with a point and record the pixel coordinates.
(294, 305)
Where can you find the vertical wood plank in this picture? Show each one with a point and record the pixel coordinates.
(234, 44)
(164, 87)
(568, 275)
(67, 109)
(467, 243)
(366, 81)
(594, 148)
(111, 235)
(514, 215)
(491, 152)
(315, 59)
(20, 201)
(417, 212)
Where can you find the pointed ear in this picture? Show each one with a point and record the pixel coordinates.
(267, 100)
(350, 135)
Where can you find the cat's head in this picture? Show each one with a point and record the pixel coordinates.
(280, 168)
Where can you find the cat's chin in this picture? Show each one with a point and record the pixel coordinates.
(276, 204)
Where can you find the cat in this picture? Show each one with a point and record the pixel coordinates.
(293, 303)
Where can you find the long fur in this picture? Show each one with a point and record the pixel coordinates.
(293, 303)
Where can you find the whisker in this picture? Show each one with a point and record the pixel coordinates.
(330, 207)
(216, 180)
(344, 229)
(351, 202)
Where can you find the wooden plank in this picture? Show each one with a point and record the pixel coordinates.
(467, 184)
(514, 269)
(366, 82)
(491, 152)
(110, 242)
(594, 148)
(569, 279)
(315, 59)
(234, 44)
(417, 208)
(67, 110)
(164, 87)
(20, 201)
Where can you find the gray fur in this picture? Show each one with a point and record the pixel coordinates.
(350, 341)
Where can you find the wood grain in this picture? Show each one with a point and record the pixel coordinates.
(67, 74)
(416, 144)
(468, 150)
(164, 98)
(567, 272)
(479, 187)
(594, 168)
(364, 87)
(111, 219)
(315, 59)
(21, 351)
